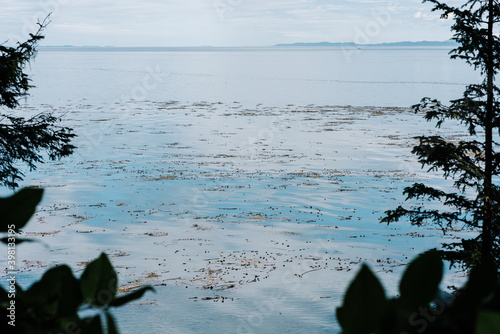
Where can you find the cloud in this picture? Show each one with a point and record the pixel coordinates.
(214, 22)
(426, 16)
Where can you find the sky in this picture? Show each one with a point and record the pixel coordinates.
(221, 22)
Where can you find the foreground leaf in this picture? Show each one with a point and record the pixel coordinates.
(136, 294)
(488, 323)
(4, 299)
(112, 329)
(56, 295)
(18, 240)
(99, 282)
(364, 304)
(420, 282)
(90, 326)
(16, 210)
(481, 285)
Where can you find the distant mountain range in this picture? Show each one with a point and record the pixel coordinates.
(406, 43)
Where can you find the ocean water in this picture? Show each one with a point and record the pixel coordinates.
(396, 77)
(244, 184)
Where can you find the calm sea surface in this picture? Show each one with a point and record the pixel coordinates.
(245, 184)
(272, 76)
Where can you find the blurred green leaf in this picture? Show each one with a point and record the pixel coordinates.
(420, 282)
(364, 304)
(112, 329)
(99, 282)
(57, 294)
(4, 299)
(18, 240)
(481, 284)
(16, 210)
(136, 294)
(488, 323)
(90, 326)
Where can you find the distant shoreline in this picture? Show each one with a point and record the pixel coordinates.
(219, 48)
(405, 44)
(277, 47)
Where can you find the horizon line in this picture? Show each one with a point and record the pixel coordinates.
(241, 46)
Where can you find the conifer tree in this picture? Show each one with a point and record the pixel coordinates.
(24, 139)
(473, 163)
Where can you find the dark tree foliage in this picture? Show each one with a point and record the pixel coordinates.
(420, 306)
(472, 163)
(21, 139)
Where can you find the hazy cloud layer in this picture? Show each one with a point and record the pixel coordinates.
(222, 22)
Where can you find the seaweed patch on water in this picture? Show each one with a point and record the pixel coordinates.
(219, 197)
